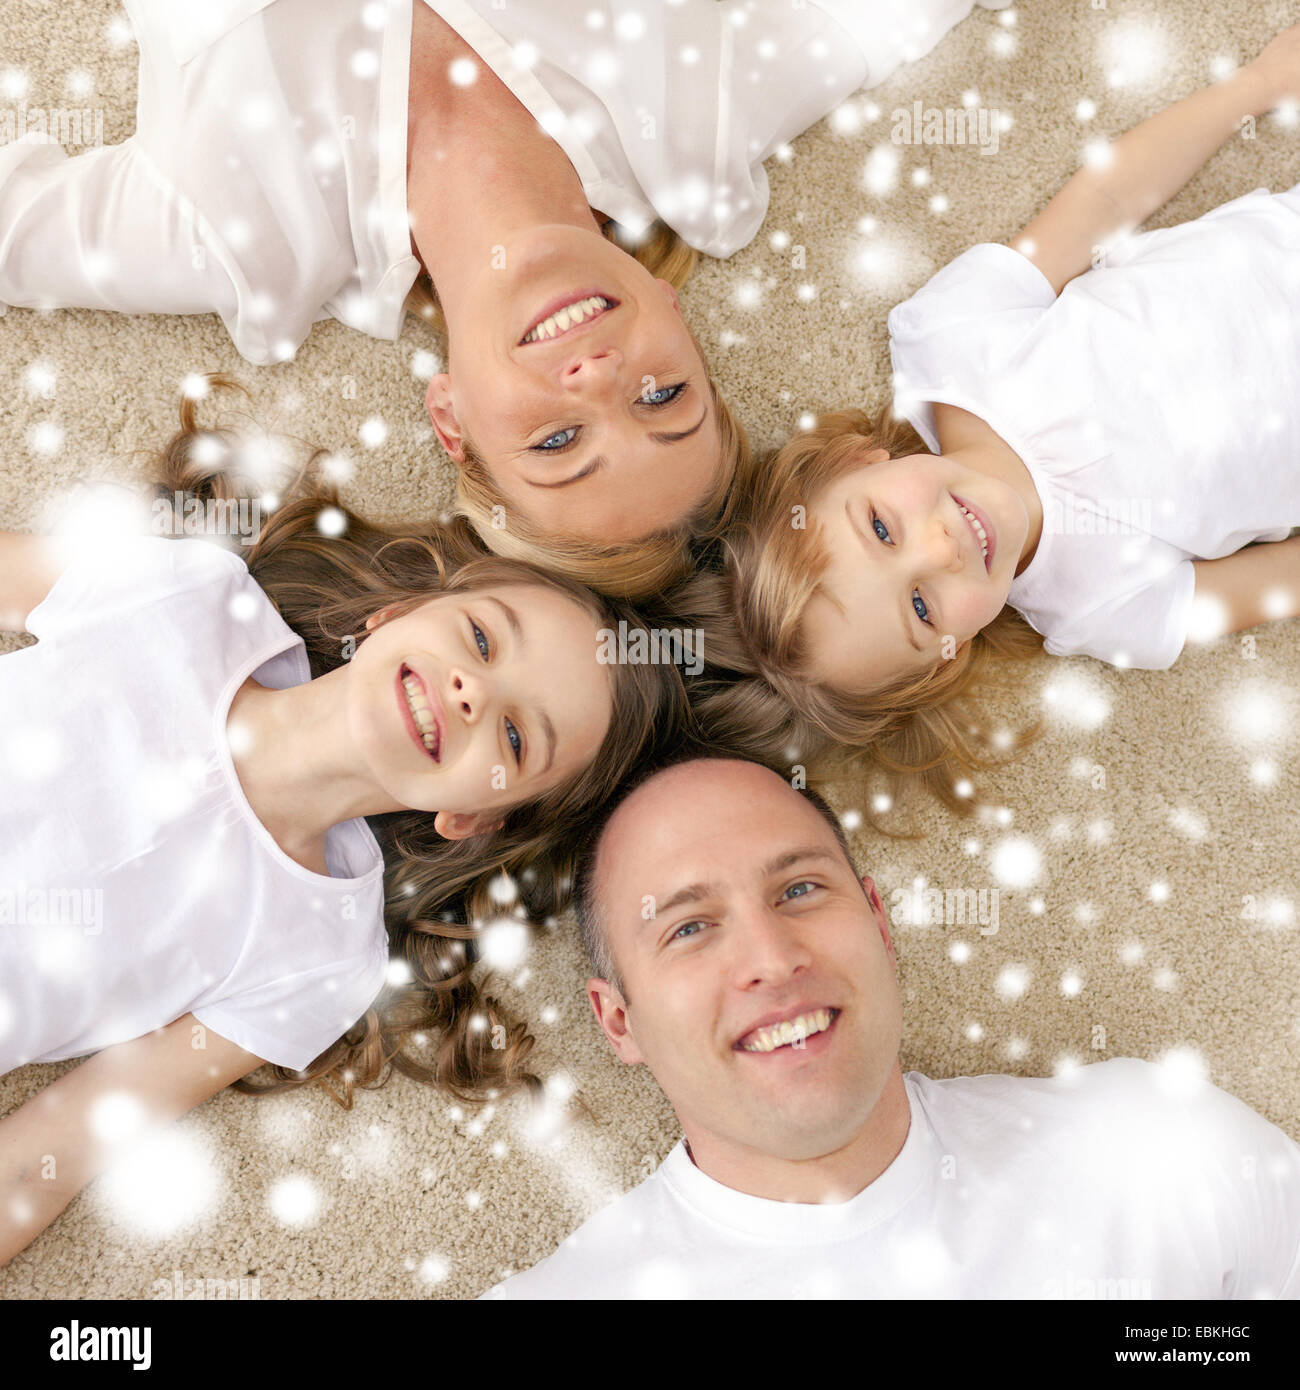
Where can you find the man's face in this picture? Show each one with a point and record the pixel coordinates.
(729, 905)
(580, 386)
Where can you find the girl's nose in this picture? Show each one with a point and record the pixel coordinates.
(467, 695)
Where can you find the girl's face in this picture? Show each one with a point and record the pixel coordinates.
(476, 701)
(603, 427)
(910, 578)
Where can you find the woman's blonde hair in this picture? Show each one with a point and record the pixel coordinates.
(439, 894)
(919, 727)
(629, 569)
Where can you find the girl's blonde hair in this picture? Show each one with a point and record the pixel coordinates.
(439, 894)
(915, 728)
(629, 569)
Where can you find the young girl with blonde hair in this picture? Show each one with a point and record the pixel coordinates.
(260, 811)
(1089, 429)
(295, 160)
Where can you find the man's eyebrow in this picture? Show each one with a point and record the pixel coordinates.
(696, 892)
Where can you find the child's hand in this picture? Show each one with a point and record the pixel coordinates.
(1276, 72)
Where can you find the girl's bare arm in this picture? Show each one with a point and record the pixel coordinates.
(1256, 585)
(1148, 165)
(28, 568)
(51, 1147)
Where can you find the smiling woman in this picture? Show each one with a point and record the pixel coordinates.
(526, 158)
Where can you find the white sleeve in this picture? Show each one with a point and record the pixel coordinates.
(753, 86)
(1145, 631)
(292, 1020)
(101, 230)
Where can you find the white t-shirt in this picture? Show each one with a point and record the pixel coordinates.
(136, 884)
(266, 179)
(1155, 403)
(1107, 1183)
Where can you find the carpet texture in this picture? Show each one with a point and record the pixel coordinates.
(1144, 847)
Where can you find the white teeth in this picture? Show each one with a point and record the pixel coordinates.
(421, 713)
(567, 317)
(792, 1029)
(979, 530)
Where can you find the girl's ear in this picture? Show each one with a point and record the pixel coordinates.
(876, 456)
(381, 616)
(460, 825)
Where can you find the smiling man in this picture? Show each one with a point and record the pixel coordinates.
(739, 956)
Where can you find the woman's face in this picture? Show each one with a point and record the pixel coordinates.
(476, 701)
(578, 383)
(910, 578)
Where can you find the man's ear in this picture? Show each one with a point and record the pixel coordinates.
(442, 413)
(460, 825)
(878, 912)
(610, 1008)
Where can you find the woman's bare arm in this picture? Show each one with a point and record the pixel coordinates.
(50, 1147)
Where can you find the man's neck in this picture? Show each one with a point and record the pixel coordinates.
(833, 1177)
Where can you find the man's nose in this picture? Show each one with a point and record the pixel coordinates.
(770, 948)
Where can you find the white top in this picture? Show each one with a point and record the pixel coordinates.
(1113, 1182)
(266, 180)
(136, 884)
(1155, 403)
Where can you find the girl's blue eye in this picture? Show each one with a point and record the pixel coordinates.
(880, 529)
(553, 443)
(663, 395)
(918, 603)
(484, 648)
(516, 743)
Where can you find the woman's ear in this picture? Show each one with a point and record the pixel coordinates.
(670, 292)
(460, 825)
(442, 413)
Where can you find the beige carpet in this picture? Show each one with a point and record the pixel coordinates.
(1185, 779)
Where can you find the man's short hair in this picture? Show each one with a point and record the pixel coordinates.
(586, 905)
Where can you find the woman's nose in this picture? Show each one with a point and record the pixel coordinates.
(592, 369)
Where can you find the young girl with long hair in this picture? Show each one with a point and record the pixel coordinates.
(547, 170)
(1089, 429)
(260, 811)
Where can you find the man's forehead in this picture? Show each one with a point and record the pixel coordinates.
(705, 818)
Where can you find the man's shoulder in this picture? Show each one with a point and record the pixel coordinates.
(603, 1254)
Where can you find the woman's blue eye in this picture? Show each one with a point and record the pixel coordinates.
(918, 603)
(484, 648)
(663, 395)
(880, 529)
(561, 439)
(516, 743)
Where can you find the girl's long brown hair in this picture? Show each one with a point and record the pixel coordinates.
(439, 894)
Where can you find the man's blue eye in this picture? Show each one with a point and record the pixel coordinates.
(516, 743)
(919, 605)
(683, 927)
(880, 529)
(805, 885)
(561, 439)
(484, 648)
